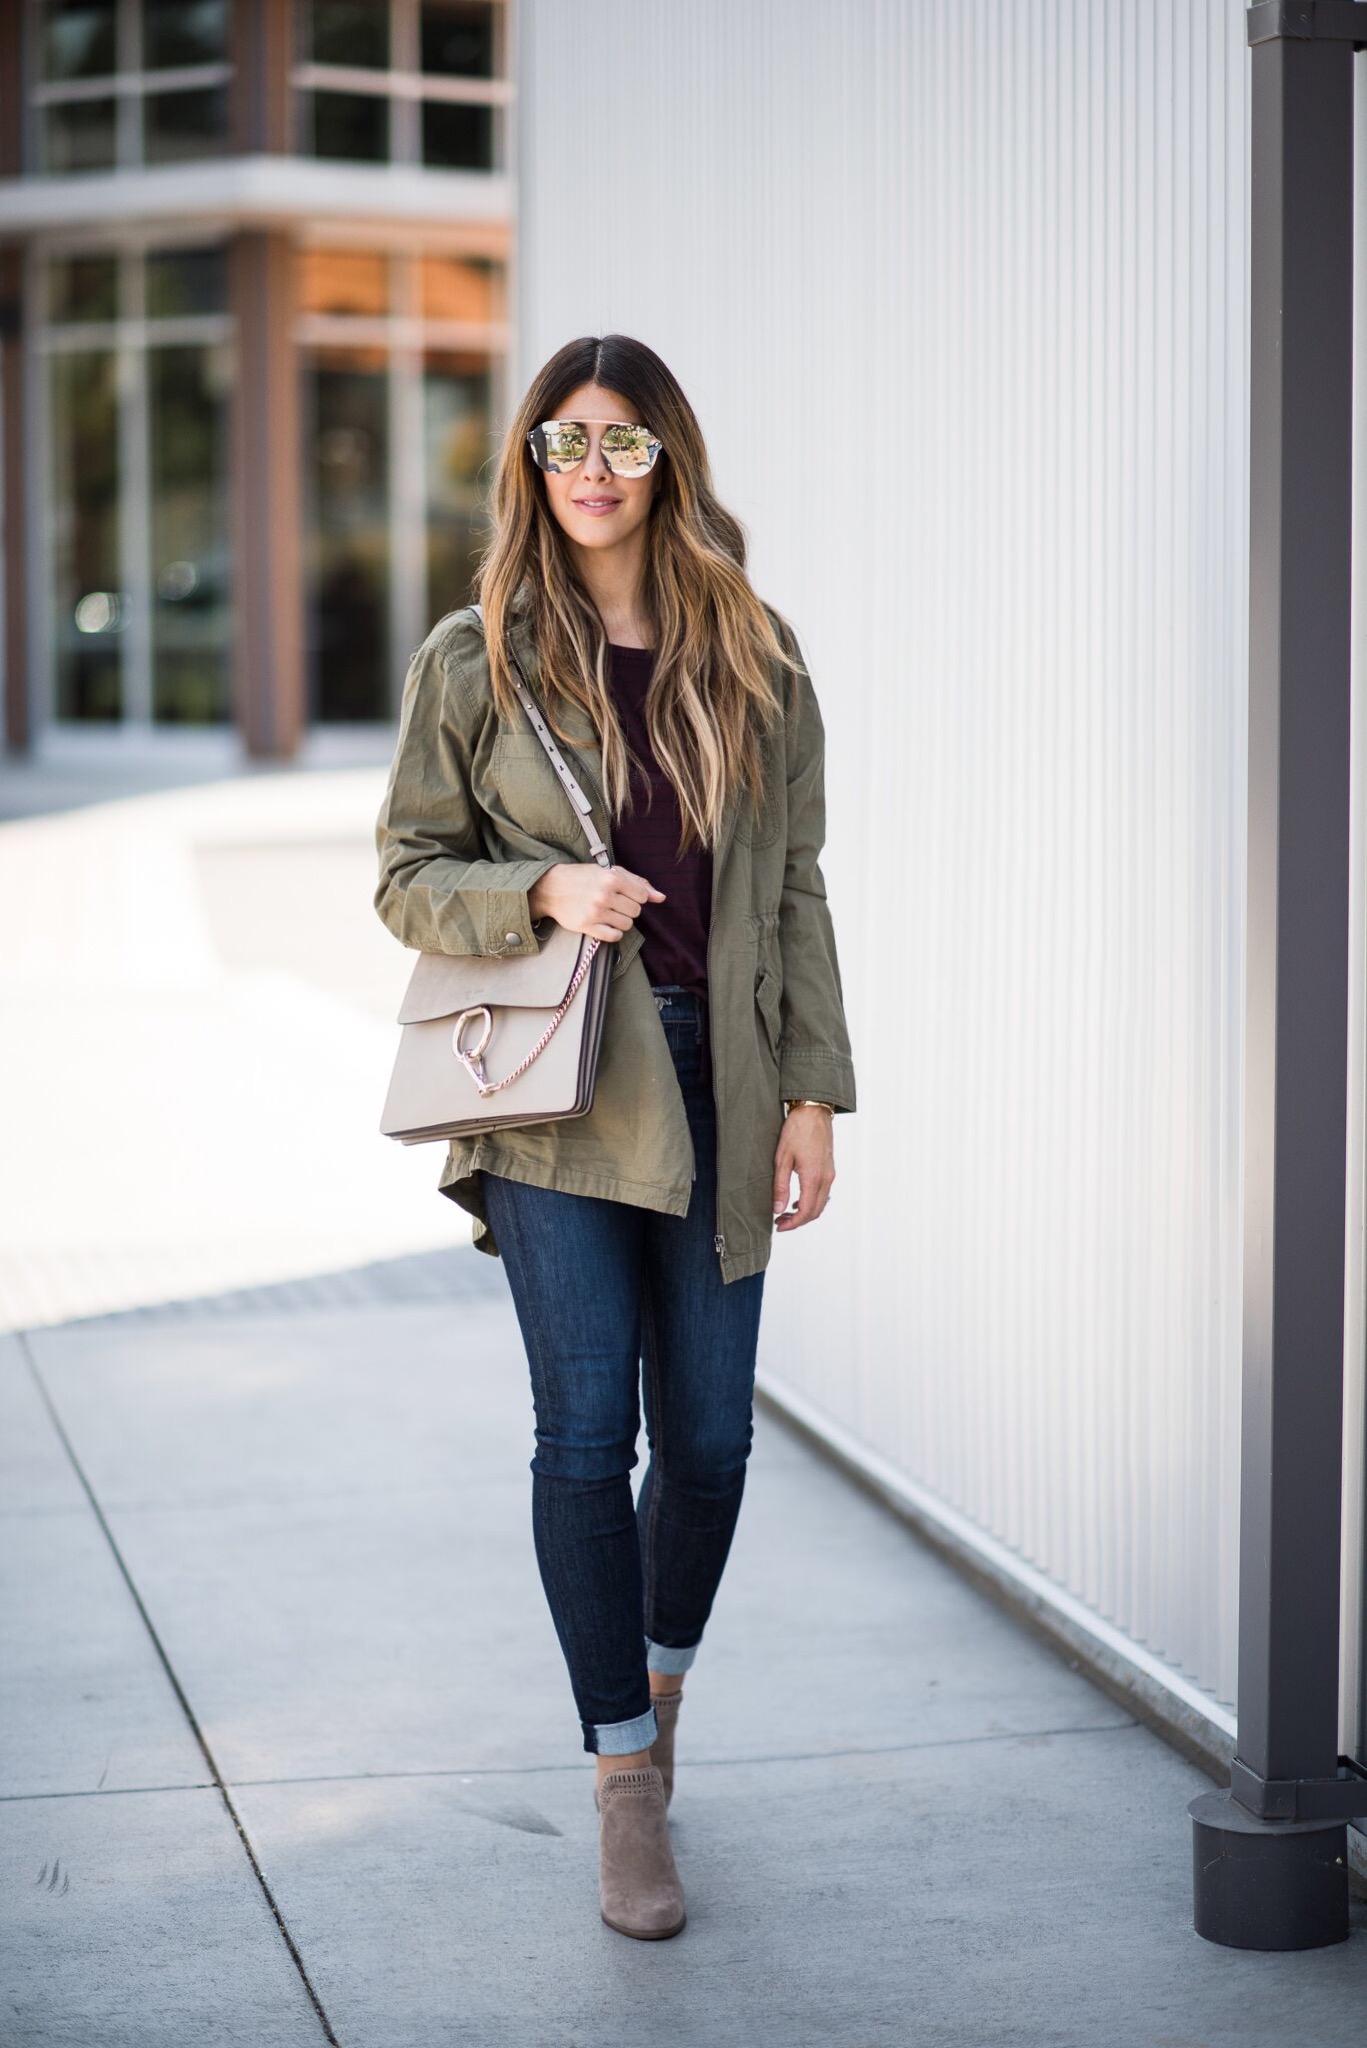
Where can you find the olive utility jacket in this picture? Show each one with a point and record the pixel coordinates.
(473, 815)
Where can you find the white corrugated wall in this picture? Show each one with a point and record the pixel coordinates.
(960, 296)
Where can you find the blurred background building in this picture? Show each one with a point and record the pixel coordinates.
(253, 297)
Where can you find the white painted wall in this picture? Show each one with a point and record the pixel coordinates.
(960, 296)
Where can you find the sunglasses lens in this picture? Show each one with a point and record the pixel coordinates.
(559, 445)
(628, 451)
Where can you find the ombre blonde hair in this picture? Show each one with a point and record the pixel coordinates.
(711, 695)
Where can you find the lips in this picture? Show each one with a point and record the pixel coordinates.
(597, 506)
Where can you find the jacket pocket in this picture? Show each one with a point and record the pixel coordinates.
(767, 1002)
(531, 793)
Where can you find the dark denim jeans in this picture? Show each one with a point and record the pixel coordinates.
(601, 1290)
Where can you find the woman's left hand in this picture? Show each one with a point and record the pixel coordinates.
(806, 1148)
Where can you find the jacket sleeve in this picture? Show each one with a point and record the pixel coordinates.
(814, 1045)
(435, 890)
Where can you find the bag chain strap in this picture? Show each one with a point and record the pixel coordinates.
(473, 1060)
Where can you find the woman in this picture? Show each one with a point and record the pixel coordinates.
(639, 1232)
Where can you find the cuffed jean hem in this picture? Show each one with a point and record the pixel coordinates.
(624, 1738)
(661, 1657)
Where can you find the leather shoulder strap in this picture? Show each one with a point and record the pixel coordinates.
(543, 733)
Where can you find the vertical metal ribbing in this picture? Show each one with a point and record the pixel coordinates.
(1013, 236)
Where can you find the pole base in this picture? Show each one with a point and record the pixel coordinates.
(1267, 1884)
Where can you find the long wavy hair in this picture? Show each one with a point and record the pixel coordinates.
(711, 695)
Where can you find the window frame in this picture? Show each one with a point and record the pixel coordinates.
(128, 337)
(406, 334)
(129, 86)
(406, 87)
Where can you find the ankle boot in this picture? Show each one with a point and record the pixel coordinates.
(639, 1889)
(666, 1705)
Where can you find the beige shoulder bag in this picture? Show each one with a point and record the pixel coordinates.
(491, 1041)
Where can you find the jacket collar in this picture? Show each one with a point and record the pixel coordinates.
(586, 749)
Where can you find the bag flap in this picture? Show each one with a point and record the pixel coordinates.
(443, 983)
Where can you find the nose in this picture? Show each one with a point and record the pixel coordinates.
(594, 464)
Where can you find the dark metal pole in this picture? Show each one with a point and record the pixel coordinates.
(1271, 1852)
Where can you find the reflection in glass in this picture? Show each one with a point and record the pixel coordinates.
(343, 281)
(461, 288)
(186, 281)
(88, 607)
(78, 39)
(179, 125)
(348, 544)
(188, 392)
(80, 135)
(458, 38)
(350, 126)
(183, 32)
(82, 288)
(350, 32)
(457, 138)
(456, 415)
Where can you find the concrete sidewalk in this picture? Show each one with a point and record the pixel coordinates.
(198, 1009)
(290, 1753)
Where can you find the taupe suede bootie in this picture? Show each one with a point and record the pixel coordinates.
(666, 1705)
(638, 1886)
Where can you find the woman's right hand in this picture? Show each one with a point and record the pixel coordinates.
(583, 897)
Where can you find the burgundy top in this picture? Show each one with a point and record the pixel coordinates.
(673, 933)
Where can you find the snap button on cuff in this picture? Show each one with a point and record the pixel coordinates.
(512, 938)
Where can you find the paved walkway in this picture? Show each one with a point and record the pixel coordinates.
(287, 1750)
(290, 1755)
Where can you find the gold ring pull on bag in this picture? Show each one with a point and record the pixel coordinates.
(489, 1041)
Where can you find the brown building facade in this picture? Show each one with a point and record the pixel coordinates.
(254, 331)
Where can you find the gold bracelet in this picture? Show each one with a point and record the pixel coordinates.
(804, 1102)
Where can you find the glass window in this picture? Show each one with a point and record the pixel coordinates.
(82, 288)
(179, 125)
(348, 560)
(460, 288)
(187, 408)
(457, 438)
(384, 559)
(145, 546)
(78, 39)
(349, 32)
(351, 126)
(457, 138)
(457, 39)
(417, 113)
(89, 613)
(122, 49)
(343, 281)
(176, 32)
(186, 281)
(80, 135)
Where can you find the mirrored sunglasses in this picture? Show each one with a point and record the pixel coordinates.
(561, 445)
